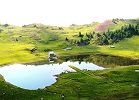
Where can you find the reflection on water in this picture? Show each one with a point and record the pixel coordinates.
(51, 60)
(103, 60)
(98, 59)
(40, 76)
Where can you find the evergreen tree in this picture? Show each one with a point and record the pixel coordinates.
(66, 39)
(81, 35)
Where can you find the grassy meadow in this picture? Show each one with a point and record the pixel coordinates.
(127, 48)
(118, 83)
(16, 42)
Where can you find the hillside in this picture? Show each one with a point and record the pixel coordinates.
(16, 42)
(104, 26)
(127, 48)
(115, 24)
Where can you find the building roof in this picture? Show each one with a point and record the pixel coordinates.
(51, 52)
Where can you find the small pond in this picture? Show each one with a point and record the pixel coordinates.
(43, 73)
(33, 77)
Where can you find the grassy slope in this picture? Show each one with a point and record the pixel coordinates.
(44, 37)
(12, 51)
(118, 25)
(112, 84)
(52, 38)
(128, 48)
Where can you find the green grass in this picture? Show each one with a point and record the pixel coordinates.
(17, 52)
(118, 25)
(52, 38)
(127, 48)
(107, 84)
(111, 84)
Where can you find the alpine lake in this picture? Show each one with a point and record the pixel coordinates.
(38, 75)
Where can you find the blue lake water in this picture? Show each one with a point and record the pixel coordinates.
(33, 77)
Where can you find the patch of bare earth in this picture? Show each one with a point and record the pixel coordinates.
(104, 26)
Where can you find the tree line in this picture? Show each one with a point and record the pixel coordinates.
(106, 38)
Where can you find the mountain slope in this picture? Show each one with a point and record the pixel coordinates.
(16, 42)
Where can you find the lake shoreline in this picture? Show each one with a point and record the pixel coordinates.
(44, 61)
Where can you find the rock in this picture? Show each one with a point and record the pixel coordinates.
(112, 46)
(68, 48)
(133, 85)
(33, 50)
(136, 70)
(62, 95)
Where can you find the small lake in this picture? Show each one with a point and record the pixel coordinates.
(33, 77)
(43, 73)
